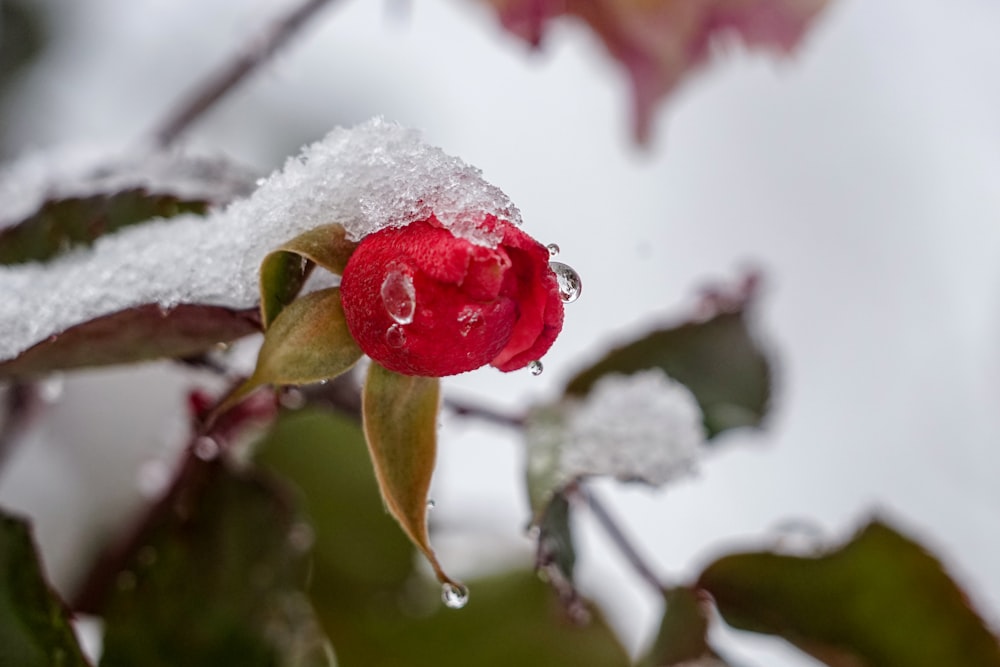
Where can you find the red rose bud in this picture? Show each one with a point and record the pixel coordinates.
(421, 301)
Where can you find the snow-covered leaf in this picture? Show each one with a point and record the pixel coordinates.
(642, 427)
(61, 224)
(308, 342)
(366, 178)
(218, 577)
(400, 420)
(35, 628)
(660, 42)
(716, 358)
(136, 334)
(879, 600)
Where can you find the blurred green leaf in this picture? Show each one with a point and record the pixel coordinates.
(683, 635)
(555, 555)
(285, 270)
(376, 608)
(717, 359)
(880, 600)
(34, 626)
(216, 578)
(137, 334)
(308, 342)
(400, 422)
(61, 224)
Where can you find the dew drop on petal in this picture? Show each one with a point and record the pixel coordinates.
(454, 596)
(206, 448)
(398, 296)
(553, 249)
(569, 281)
(469, 319)
(395, 336)
(536, 367)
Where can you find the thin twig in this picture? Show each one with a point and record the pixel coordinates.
(215, 87)
(467, 409)
(20, 405)
(619, 539)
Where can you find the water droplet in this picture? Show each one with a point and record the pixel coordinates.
(431, 504)
(153, 477)
(146, 556)
(469, 318)
(454, 596)
(398, 296)
(301, 536)
(553, 249)
(570, 284)
(206, 448)
(536, 367)
(292, 399)
(51, 388)
(395, 336)
(126, 580)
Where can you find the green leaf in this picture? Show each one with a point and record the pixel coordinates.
(880, 601)
(308, 342)
(35, 629)
(217, 577)
(555, 556)
(375, 607)
(360, 554)
(64, 223)
(717, 359)
(284, 271)
(400, 422)
(136, 334)
(683, 635)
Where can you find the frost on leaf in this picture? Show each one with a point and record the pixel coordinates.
(366, 178)
(642, 427)
(660, 41)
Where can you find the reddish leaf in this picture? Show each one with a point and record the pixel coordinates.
(660, 41)
(136, 334)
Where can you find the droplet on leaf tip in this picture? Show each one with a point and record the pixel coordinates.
(569, 281)
(454, 596)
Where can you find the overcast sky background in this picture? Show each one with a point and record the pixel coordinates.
(862, 178)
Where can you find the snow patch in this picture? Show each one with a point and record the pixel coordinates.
(369, 177)
(643, 427)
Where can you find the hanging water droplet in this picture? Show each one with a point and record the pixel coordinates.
(569, 281)
(454, 596)
(206, 448)
(398, 296)
(536, 367)
(292, 398)
(395, 336)
(553, 249)
(431, 504)
(51, 388)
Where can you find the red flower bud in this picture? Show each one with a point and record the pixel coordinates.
(421, 301)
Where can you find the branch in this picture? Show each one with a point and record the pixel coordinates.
(467, 409)
(623, 543)
(253, 55)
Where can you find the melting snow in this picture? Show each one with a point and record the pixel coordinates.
(372, 176)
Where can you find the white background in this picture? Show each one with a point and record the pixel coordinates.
(862, 177)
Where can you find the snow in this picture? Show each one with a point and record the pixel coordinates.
(642, 427)
(81, 170)
(369, 177)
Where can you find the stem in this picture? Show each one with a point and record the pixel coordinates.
(467, 409)
(620, 540)
(254, 53)
(20, 406)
